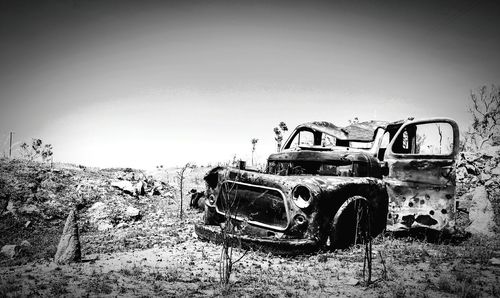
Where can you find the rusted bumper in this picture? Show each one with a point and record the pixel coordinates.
(277, 246)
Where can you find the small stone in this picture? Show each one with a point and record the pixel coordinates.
(322, 258)
(29, 209)
(132, 212)
(140, 188)
(10, 207)
(25, 244)
(495, 261)
(27, 224)
(104, 226)
(10, 251)
(122, 225)
(471, 169)
(496, 171)
(484, 177)
(352, 281)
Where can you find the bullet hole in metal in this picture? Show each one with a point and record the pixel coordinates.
(422, 202)
(431, 212)
(408, 220)
(389, 215)
(426, 220)
(444, 211)
(449, 196)
(410, 204)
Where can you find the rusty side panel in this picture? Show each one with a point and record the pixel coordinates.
(422, 194)
(431, 171)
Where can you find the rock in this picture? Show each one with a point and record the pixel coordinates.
(140, 188)
(132, 212)
(29, 209)
(495, 261)
(4, 201)
(24, 247)
(104, 226)
(25, 244)
(124, 185)
(461, 173)
(351, 281)
(27, 224)
(156, 191)
(481, 214)
(10, 207)
(10, 251)
(471, 169)
(122, 225)
(489, 183)
(69, 249)
(484, 177)
(496, 171)
(490, 151)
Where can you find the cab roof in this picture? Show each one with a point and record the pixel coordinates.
(360, 131)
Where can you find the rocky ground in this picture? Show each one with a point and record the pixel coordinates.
(135, 244)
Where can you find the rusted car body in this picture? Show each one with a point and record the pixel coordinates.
(329, 184)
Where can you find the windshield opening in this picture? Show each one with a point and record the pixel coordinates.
(307, 138)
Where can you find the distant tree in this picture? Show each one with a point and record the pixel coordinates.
(36, 150)
(254, 142)
(181, 175)
(279, 131)
(485, 112)
(354, 121)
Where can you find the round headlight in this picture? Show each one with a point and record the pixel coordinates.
(301, 196)
(211, 201)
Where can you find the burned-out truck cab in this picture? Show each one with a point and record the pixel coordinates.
(333, 186)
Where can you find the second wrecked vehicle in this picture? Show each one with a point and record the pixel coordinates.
(334, 186)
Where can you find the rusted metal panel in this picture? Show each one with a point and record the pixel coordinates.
(420, 205)
(421, 187)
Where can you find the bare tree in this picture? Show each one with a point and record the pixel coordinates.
(279, 131)
(485, 111)
(180, 178)
(254, 142)
(230, 233)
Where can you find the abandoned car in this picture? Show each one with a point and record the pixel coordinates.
(334, 186)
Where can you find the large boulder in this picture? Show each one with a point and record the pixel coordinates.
(69, 249)
(125, 186)
(481, 213)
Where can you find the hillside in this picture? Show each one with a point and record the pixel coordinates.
(135, 244)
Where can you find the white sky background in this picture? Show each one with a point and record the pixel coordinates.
(143, 83)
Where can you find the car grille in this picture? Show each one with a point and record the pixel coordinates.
(259, 205)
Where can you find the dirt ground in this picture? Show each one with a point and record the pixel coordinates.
(160, 256)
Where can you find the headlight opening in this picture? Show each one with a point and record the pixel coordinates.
(301, 196)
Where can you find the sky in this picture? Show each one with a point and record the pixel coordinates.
(141, 83)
